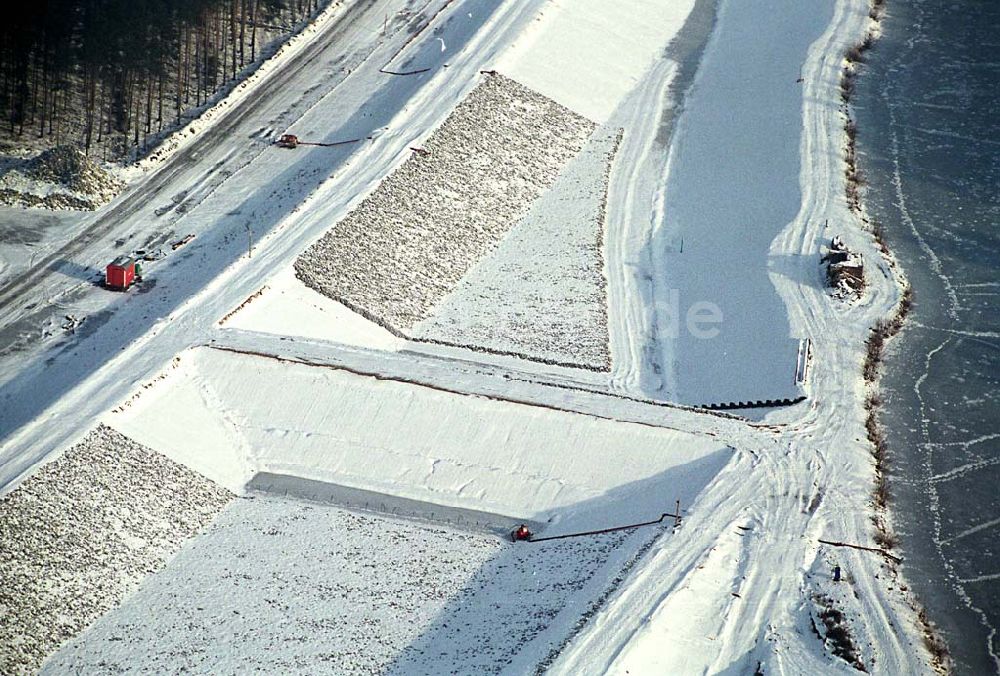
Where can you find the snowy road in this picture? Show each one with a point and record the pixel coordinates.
(151, 212)
(49, 399)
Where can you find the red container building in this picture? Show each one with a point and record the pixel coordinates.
(120, 273)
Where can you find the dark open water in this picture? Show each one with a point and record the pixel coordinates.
(928, 110)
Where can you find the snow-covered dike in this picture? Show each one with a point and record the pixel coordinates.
(286, 586)
(245, 414)
(589, 54)
(412, 239)
(83, 532)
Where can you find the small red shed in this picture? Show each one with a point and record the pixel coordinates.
(120, 273)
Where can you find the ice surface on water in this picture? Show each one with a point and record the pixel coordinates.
(929, 139)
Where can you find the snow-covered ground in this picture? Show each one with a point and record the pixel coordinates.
(289, 199)
(83, 532)
(746, 167)
(286, 586)
(589, 55)
(287, 307)
(24, 234)
(747, 614)
(293, 386)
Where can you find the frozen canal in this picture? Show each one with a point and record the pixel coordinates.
(929, 137)
(728, 194)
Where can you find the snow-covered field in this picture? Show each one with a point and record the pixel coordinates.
(83, 532)
(412, 239)
(295, 384)
(287, 586)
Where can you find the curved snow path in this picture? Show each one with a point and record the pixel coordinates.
(640, 163)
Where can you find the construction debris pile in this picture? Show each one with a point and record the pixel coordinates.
(59, 178)
(409, 243)
(83, 531)
(845, 271)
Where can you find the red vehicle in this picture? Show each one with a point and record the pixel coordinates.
(288, 141)
(521, 534)
(120, 273)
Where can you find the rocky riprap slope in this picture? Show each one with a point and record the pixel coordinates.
(83, 531)
(60, 178)
(411, 240)
(542, 294)
(281, 586)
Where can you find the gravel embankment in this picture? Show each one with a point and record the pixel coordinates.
(542, 293)
(410, 242)
(83, 531)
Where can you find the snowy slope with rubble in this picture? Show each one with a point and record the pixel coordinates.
(86, 530)
(417, 234)
(300, 586)
(301, 388)
(542, 293)
(286, 306)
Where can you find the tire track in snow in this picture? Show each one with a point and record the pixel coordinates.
(629, 216)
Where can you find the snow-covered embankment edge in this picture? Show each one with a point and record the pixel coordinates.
(883, 330)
